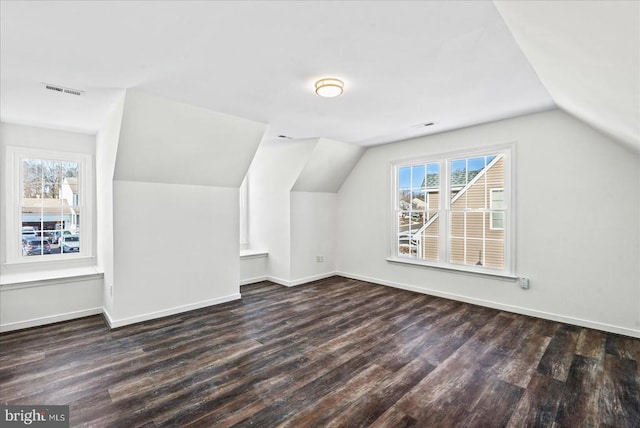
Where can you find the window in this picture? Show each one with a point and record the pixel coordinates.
(454, 211)
(51, 199)
(496, 207)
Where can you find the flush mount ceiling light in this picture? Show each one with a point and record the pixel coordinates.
(329, 87)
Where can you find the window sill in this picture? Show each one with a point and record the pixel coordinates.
(9, 281)
(460, 270)
(51, 262)
(253, 254)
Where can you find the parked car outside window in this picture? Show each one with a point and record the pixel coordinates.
(34, 245)
(70, 244)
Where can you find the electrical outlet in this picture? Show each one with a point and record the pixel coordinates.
(319, 259)
(524, 283)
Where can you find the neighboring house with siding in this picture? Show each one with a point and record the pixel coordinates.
(476, 222)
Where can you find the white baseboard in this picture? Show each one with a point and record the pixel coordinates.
(253, 280)
(49, 319)
(501, 306)
(307, 279)
(300, 281)
(170, 311)
(280, 281)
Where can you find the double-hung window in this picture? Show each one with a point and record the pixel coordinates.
(456, 210)
(50, 205)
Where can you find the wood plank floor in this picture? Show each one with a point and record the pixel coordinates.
(337, 352)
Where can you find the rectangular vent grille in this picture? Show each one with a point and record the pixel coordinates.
(63, 90)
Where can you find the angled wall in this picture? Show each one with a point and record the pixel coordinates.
(292, 200)
(175, 207)
(273, 172)
(314, 204)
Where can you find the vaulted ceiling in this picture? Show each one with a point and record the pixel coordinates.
(403, 63)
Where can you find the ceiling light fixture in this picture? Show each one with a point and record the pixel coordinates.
(329, 87)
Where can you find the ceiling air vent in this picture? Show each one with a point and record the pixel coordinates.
(62, 89)
(422, 125)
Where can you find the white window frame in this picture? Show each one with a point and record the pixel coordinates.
(14, 194)
(492, 208)
(444, 159)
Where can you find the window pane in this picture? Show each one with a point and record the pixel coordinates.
(475, 195)
(70, 243)
(456, 254)
(72, 220)
(457, 224)
(494, 256)
(69, 169)
(474, 252)
(35, 246)
(32, 178)
(433, 175)
(427, 239)
(31, 219)
(417, 220)
(497, 220)
(418, 176)
(433, 200)
(475, 224)
(50, 190)
(495, 174)
(419, 200)
(51, 171)
(458, 173)
(404, 199)
(404, 178)
(497, 199)
(403, 220)
(474, 165)
(69, 184)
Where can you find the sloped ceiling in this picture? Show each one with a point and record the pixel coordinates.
(404, 63)
(328, 166)
(587, 54)
(163, 141)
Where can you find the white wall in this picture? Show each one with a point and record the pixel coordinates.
(292, 205)
(26, 299)
(106, 150)
(253, 268)
(43, 302)
(313, 233)
(164, 264)
(175, 208)
(578, 228)
(272, 174)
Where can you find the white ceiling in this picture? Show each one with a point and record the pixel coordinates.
(587, 54)
(403, 63)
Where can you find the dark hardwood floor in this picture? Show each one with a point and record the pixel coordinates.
(336, 352)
